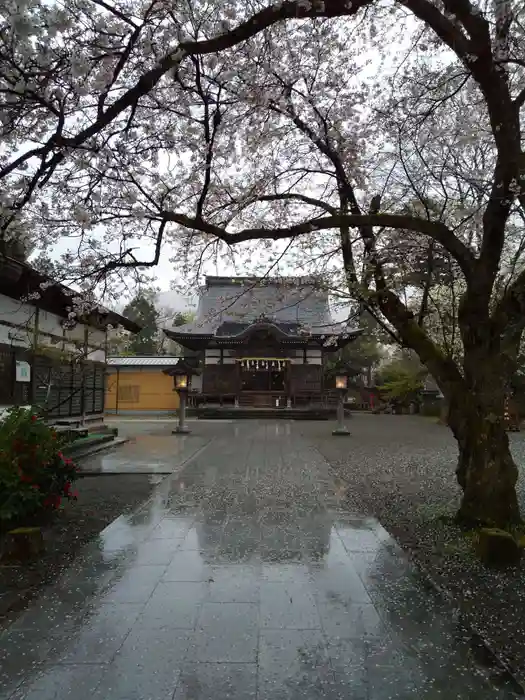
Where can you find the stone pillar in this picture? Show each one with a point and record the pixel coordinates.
(341, 429)
(181, 428)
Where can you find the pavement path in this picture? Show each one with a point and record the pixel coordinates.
(242, 578)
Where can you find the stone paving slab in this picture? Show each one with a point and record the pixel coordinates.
(242, 577)
(143, 454)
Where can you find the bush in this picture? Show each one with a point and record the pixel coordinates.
(35, 477)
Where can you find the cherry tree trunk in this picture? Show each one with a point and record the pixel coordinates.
(486, 470)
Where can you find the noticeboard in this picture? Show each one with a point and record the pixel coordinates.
(23, 371)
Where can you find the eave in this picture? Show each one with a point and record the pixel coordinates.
(201, 342)
(18, 280)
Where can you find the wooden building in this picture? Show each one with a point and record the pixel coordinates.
(140, 386)
(263, 342)
(49, 356)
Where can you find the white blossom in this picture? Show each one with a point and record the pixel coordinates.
(81, 215)
(514, 187)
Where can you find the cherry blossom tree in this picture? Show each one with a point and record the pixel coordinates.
(376, 142)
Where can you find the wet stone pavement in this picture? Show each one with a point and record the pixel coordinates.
(242, 578)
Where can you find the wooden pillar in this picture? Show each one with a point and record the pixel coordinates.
(238, 384)
(116, 398)
(322, 373)
(83, 363)
(287, 384)
(33, 384)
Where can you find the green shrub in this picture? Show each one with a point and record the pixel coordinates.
(35, 478)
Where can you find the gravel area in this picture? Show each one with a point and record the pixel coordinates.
(400, 469)
(101, 500)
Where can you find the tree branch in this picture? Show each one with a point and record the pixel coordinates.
(261, 20)
(121, 261)
(434, 229)
(299, 197)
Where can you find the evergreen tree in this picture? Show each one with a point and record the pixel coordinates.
(142, 310)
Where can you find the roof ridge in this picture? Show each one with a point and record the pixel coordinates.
(235, 280)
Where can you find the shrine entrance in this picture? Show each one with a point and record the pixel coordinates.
(263, 376)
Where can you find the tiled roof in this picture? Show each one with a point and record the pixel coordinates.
(227, 307)
(18, 280)
(153, 361)
(232, 328)
(430, 384)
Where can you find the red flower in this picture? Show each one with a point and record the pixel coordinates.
(33, 418)
(60, 455)
(53, 501)
(67, 488)
(74, 494)
(25, 477)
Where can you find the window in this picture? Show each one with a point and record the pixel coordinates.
(129, 393)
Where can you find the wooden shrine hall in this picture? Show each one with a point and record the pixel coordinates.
(262, 342)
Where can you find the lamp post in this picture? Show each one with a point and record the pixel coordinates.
(341, 384)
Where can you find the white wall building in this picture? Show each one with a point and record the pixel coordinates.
(51, 353)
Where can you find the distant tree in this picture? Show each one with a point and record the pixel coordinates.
(183, 317)
(361, 355)
(16, 242)
(142, 310)
(401, 379)
(172, 319)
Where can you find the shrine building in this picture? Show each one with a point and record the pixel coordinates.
(262, 342)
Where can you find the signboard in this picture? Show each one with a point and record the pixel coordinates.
(23, 371)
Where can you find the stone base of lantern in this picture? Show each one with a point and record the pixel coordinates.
(23, 544)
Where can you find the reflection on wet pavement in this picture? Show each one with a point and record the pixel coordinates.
(242, 578)
(146, 454)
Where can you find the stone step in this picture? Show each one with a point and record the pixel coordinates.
(321, 413)
(82, 444)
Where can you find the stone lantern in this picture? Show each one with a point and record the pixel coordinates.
(182, 373)
(341, 385)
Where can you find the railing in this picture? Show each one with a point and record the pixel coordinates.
(274, 400)
(262, 400)
(214, 399)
